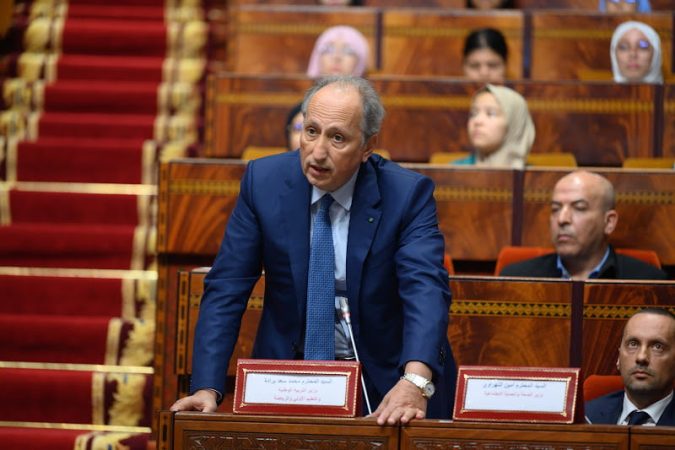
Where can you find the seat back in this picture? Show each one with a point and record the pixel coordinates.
(598, 385)
(382, 152)
(446, 157)
(447, 262)
(562, 159)
(509, 255)
(648, 256)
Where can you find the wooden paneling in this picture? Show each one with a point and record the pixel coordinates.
(502, 436)
(645, 203)
(583, 5)
(279, 39)
(648, 438)
(669, 121)
(249, 110)
(568, 45)
(192, 188)
(474, 209)
(430, 42)
(601, 123)
(503, 323)
(607, 307)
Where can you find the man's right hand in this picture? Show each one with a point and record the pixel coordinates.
(203, 400)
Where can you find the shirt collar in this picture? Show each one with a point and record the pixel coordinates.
(595, 273)
(655, 410)
(342, 195)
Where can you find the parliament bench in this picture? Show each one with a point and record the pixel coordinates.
(480, 210)
(600, 123)
(494, 321)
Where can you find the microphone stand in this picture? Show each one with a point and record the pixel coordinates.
(347, 316)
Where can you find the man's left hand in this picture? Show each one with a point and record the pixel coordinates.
(403, 403)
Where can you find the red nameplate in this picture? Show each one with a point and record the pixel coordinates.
(517, 394)
(293, 387)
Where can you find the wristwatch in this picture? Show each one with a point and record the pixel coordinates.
(424, 385)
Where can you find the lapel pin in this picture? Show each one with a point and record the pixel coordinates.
(370, 220)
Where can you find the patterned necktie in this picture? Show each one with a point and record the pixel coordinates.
(320, 329)
(638, 418)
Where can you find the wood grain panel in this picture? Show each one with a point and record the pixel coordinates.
(194, 430)
(279, 39)
(568, 45)
(601, 123)
(503, 323)
(645, 203)
(243, 111)
(669, 121)
(197, 188)
(502, 436)
(581, 5)
(474, 209)
(607, 307)
(430, 42)
(652, 438)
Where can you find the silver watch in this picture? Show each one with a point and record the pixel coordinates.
(424, 385)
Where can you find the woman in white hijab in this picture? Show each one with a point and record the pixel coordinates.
(636, 54)
(501, 131)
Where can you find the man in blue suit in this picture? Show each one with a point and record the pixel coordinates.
(388, 254)
(647, 365)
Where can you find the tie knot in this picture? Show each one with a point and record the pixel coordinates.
(325, 202)
(638, 417)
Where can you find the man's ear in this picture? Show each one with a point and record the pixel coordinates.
(611, 219)
(618, 365)
(371, 143)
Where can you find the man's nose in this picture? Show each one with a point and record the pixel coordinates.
(564, 215)
(320, 149)
(642, 356)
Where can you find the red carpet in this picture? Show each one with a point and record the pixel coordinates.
(81, 296)
(65, 245)
(83, 397)
(106, 89)
(65, 159)
(74, 207)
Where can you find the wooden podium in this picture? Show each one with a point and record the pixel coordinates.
(189, 430)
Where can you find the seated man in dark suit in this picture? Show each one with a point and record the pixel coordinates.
(647, 365)
(582, 218)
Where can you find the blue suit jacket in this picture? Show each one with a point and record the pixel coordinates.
(396, 284)
(606, 410)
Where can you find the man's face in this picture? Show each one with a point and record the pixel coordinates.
(331, 144)
(647, 357)
(579, 220)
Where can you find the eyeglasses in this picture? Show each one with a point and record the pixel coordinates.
(642, 45)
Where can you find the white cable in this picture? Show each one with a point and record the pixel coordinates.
(346, 315)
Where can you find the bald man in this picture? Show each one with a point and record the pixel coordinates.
(582, 218)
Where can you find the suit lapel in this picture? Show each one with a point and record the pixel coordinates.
(668, 416)
(363, 222)
(295, 198)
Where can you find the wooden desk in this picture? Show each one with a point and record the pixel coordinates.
(187, 430)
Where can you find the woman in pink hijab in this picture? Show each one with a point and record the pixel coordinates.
(340, 50)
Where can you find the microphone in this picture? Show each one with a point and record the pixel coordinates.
(347, 316)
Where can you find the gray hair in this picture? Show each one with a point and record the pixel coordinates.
(372, 112)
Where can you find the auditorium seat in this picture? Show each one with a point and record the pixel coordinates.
(383, 153)
(598, 385)
(446, 157)
(562, 159)
(447, 262)
(509, 255)
(649, 163)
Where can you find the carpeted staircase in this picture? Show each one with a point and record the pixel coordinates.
(95, 94)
